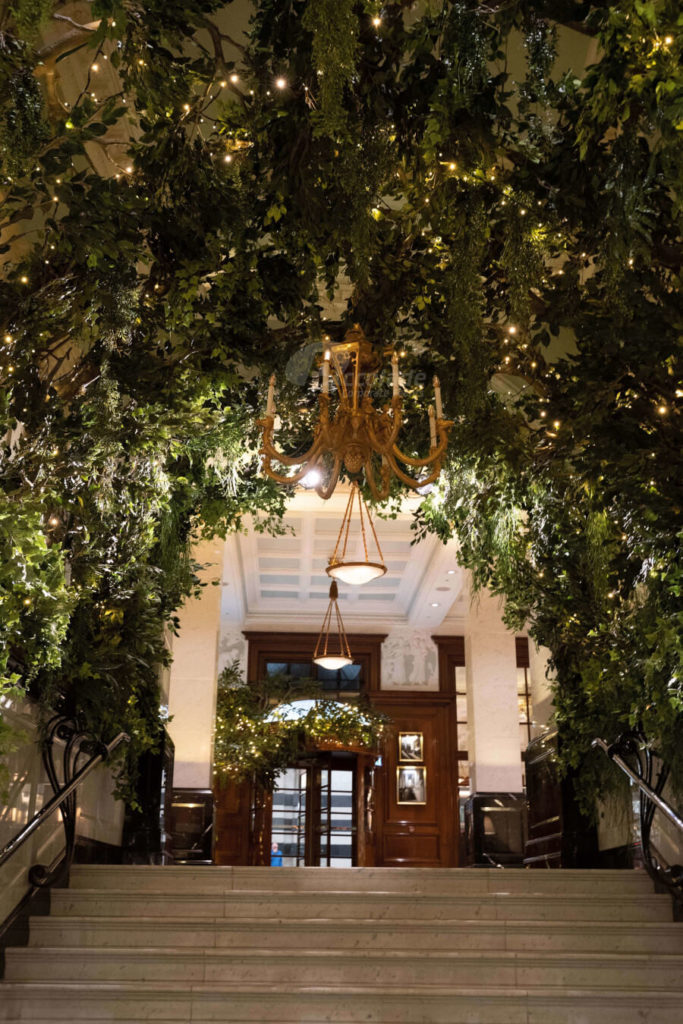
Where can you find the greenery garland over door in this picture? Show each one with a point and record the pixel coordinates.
(177, 204)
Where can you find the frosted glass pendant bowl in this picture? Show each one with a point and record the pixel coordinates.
(343, 565)
(332, 649)
(333, 662)
(356, 573)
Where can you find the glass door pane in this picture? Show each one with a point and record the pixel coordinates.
(289, 816)
(336, 818)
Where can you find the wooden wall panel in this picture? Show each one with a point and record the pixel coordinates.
(231, 823)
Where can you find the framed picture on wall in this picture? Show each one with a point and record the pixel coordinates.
(410, 746)
(411, 785)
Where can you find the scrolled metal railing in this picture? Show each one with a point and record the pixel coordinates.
(76, 744)
(634, 756)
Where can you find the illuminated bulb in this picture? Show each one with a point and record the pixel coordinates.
(227, 158)
(311, 479)
(223, 85)
(129, 170)
(512, 329)
(556, 424)
(662, 410)
(376, 21)
(452, 167)
(280, 83)
(668, 40)
(94, 67)
(54, 521)
(451, 572)
(435, 604)
(523, 212)
(24, 280)
(8, 337)
(543, 414)
(27, 601)
(186, 106)
(534, 365)
(234, 79)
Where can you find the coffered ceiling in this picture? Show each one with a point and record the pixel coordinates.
(281, 581)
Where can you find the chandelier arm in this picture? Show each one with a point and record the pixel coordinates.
(269, 449)
(378, 493)
(377, 443)
(410, 481)
(443, 427)
(280, 478)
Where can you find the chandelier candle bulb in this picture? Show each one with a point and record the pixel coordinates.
(394, 374)
(326, 373)
(270, 406)
(437, 399)
(432, 428)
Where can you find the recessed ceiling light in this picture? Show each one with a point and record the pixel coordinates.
(451, 572)
(435, 604)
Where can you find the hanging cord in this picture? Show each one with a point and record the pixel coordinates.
(345, 528)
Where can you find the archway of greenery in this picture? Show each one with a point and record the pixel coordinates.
(179, 205)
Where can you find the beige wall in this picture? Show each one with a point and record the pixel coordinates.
(192, 692)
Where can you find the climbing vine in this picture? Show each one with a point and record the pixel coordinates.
(493, 188)
(257, 737)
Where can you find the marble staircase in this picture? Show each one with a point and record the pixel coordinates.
(379, 945)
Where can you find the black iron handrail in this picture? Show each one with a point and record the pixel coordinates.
(76, 743)
(632, 754)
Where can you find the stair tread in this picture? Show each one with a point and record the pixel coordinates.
(304, 894)
(340, 954)
(211, 988)
(459, 923)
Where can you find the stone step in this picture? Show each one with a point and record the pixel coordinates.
(273, 906)
(267, 967)
(453, 881)
(50, 1003)
(360, 933)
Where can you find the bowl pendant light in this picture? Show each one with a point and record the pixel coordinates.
(332, 649)
(342, 566)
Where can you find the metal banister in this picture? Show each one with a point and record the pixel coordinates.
(51, 806)
(77, 743)
(632, 754)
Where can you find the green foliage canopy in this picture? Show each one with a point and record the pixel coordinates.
(506, 211)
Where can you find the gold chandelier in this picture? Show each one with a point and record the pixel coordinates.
(350, 433)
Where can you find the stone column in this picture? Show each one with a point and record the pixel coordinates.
(192, 687)
(496, 765)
